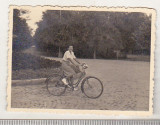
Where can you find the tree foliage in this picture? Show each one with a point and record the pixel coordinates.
(142, 35)
(93, 34)
(22, 38)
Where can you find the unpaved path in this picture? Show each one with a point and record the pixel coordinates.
(126, 87)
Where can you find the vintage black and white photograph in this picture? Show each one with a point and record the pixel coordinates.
(81, 59)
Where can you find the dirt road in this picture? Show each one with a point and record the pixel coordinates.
(126, 87)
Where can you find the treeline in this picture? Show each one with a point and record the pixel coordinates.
(93, 34)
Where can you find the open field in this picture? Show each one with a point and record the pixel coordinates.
(126, 87)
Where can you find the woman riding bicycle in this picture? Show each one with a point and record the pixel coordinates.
(57, 84)
(71, 66)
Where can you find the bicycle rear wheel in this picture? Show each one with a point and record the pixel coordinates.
(55, 75)
(55, 86)
(92, 87)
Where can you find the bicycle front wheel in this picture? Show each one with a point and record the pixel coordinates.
(92, 87)
(55, 86)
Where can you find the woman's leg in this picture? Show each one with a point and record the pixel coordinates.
(79, 72)
(68, 70)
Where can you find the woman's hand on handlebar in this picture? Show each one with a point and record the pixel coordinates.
(77, 65)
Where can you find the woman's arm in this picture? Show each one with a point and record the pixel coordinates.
(77, 60)
(72, 61)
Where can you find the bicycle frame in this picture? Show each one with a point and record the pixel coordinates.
(79, 80)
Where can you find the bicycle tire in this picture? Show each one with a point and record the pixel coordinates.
(58, 83)
(84, 90)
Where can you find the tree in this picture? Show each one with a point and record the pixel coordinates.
(127, 23)
(22, 38)
(104, 36)
(52, 32)
(142, 35)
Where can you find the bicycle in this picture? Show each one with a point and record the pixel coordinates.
(91, 86)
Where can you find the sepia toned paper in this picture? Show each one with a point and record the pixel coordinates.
(112, 98)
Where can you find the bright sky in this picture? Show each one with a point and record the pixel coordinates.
(34, 15)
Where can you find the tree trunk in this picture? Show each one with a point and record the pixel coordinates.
(94, 54)
(59, 53)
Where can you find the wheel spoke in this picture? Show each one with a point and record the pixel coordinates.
(92, 87)
(88, 83)
(55, 86)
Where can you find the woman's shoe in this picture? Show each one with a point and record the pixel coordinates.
(75, 89)
(64, 80)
